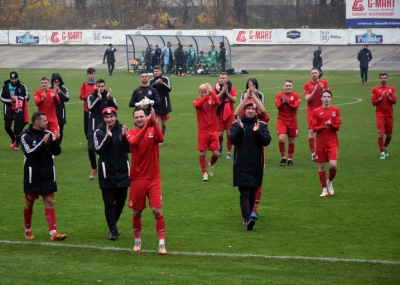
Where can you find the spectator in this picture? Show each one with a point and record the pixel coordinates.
(15, 97)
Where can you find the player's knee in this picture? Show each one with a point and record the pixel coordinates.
(157, 212)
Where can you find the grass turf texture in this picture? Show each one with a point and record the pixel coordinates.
(357, 230)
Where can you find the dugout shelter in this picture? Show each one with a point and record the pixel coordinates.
(136, 43)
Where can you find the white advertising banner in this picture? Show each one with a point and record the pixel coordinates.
(370, 36)
(395, 36)
(66, 37)
(105, 37)
(21, 37)
(3, 37)
(294, 36)
(373, 13)
(253, 37)
(330, 37)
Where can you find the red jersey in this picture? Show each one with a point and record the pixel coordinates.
(228, 105)
(48, 105)
(384, 107)
(206, 107)
(86, 89)
(145, 149)
(326, 137)
(287, 111)
(309, 88)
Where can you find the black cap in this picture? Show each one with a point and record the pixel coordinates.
(110, 45)
(13, 74)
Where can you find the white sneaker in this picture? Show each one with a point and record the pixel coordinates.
(330, 187)
(324, 193)
(205, 177)
(383, 156)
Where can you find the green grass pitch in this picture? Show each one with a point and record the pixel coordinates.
(352, 237)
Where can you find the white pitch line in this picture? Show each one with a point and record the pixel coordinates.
(330, 259)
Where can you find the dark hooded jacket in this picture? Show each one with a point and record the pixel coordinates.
(222, 54)
(96, 106)
(179, 55)
(248, 155)
(113, 157)
(64, 97)
(21, 92)
(109, 54)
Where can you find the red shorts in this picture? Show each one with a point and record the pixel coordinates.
(208, 141)
(309, 118)
(53, 127)
(325, 154)
(140, 188)
(163, 117)
(225, 125)
(32, 196)
(384, 125)
(289, 128)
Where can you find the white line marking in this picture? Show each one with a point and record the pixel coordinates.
(331, 259)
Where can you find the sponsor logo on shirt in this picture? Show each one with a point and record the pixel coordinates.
(151, 135)
(334, 114)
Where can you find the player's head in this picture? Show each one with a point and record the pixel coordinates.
(254, 81)
(109, 116)
(326, 97)
(383, 78)
(314, 73)
(139, 117)
(212, 46)
(327, 91)
(44, 81)
(223, 78)
(288, 86)
(250, 109)
(320, 48)
(157, 71)
(144, 78)
(100, 85)
(365, 46)
(201, 53)
(203, 91)
(39, 121)
(91, 73)
(13, 77)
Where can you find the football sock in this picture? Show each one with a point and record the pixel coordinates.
(322, 178)
(291, 150)
(137, 226)
(161, 241)
(28, 218)
(387, 140)
(228, 144)
(213, 160)
(282, 149)
(258, 198)
(160, 227)
(332, 174)
(381, 144)
(203, 163)
(311, 144)
(51, 219)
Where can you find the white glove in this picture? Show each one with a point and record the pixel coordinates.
(144, 103)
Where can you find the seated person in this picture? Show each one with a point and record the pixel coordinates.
(202, 61)
(142, 62)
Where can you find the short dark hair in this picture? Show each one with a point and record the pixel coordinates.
(287, 80)
(36, 116)
(157, 67)
(90, 70)
(101, 80)
(137, 109)
(383, 74)
(224, 73)
(44, 78)
(326, 91)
